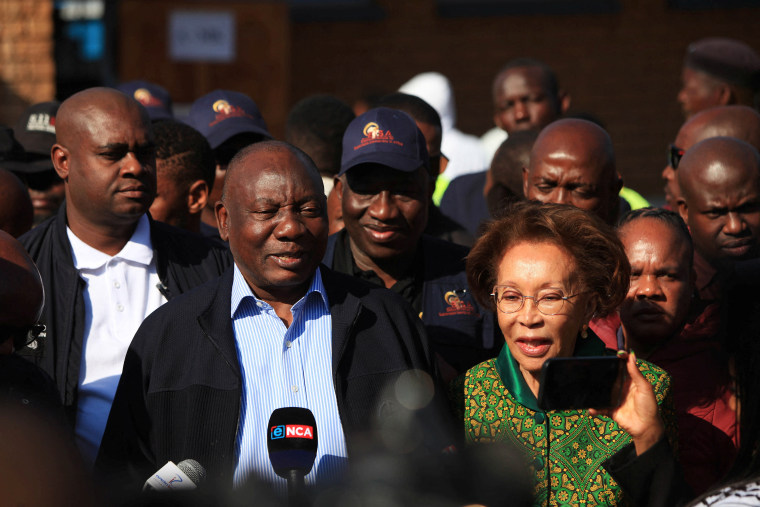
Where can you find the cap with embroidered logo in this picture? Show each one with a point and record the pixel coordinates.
(384, 136)
(154, 98)
(35, 132)
(222, 114)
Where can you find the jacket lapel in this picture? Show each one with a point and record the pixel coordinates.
(216, 323)
(344, 311)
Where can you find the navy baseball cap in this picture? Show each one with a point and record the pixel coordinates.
(222, 114)
(153, 97)
(384, 136)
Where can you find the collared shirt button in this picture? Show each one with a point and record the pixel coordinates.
(288, 343)
(294, 389)
(538, 463)
(120, 307)
(259, 304)
(116, 284)
(539, 418)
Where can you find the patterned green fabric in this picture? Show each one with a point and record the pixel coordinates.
(577, 443)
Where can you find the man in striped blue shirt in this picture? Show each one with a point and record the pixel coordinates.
(204, 373)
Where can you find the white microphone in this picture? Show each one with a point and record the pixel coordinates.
(184, 476)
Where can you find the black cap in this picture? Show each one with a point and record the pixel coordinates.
(10, 149)
(35, 131)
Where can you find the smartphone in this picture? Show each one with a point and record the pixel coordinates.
(576, 383)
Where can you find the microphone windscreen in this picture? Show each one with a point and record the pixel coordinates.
(292, 440)
(194, 470)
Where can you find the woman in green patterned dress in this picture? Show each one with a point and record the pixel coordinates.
(571, 267)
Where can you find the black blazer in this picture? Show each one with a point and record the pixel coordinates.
(183, 260)
(180, 392)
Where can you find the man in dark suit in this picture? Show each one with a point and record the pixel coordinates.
(204, 373)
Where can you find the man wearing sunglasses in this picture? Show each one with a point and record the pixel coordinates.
(741, 122)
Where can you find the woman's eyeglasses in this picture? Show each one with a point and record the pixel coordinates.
(509, 300)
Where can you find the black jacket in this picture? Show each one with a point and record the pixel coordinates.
(459, 329)
(180, 392)
(183, 261)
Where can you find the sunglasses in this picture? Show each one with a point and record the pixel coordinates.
(674, 156)
(23, 336)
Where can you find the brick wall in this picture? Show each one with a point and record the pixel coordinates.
(27, 71)
(623, 67)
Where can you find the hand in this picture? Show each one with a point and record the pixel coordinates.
(638, 414)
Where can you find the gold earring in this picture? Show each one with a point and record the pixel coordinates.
(584, 332)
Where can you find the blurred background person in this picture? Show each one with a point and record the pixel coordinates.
(35, 131)
(316, 125)
(154, 98)
(185, 173)
(463, 151)
(719, 71)
(526, 96)
(546, 269)
(467, 197)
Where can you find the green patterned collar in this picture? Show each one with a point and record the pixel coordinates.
(512, 377)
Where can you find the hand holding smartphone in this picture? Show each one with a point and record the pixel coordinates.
(577, 383)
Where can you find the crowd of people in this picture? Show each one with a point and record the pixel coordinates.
(170, 283)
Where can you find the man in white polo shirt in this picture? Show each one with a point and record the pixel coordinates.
(105, 264)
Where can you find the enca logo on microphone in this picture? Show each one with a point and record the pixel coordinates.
(291, 431)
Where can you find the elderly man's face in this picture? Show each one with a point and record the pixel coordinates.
(384, 210)
(723, 214)
(275, 219)
(522, 101)
(110, 164)
(658, 299)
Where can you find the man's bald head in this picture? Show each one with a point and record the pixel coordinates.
(75, 114)
(720, 185)
(21, 292)
(741, 122)
(235, 169)
(16, 211)
(573, 162)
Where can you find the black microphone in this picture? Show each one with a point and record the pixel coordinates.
(292, 445)
(187, 474)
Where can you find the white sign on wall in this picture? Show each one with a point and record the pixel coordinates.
(202, 36)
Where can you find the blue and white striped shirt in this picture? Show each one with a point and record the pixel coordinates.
(285, 367)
